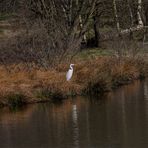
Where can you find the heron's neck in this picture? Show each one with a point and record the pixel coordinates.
(71, 67)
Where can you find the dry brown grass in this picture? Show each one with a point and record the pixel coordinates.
(90, 76)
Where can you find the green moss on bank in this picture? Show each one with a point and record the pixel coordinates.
(15, 100)
(92, 53)
(5, 16)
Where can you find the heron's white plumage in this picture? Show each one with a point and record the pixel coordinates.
(69, 73)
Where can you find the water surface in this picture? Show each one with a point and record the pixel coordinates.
(116, 120)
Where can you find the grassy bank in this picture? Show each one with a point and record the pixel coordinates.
(91, 76)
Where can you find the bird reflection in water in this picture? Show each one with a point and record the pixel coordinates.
(75, 126)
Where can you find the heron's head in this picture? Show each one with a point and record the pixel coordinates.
(72, 64)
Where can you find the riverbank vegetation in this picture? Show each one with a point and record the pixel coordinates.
(91, 76)
(39, 39)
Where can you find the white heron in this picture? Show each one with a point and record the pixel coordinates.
(70, 72)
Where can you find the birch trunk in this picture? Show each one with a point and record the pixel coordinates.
(116, 16)
(81, 23)
(140, 22)
(140, 25)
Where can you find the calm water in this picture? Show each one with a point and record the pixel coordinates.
(119, 120)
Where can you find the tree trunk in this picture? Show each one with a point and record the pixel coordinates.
(96, 30)
(146, 17)
(116, 16)
(140, 22)
(130, 12)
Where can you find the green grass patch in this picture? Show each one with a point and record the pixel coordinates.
(91, 53)
(106, 29)
(47, 94)
(1, 31)
(15, 100)
(5, 16)
(43, 94)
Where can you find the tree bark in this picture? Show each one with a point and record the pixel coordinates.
(96, 30)
(140, 25)
(140, 22)
(130, 12)
(116, 16)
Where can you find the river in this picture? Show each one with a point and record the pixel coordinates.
(118, 119)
